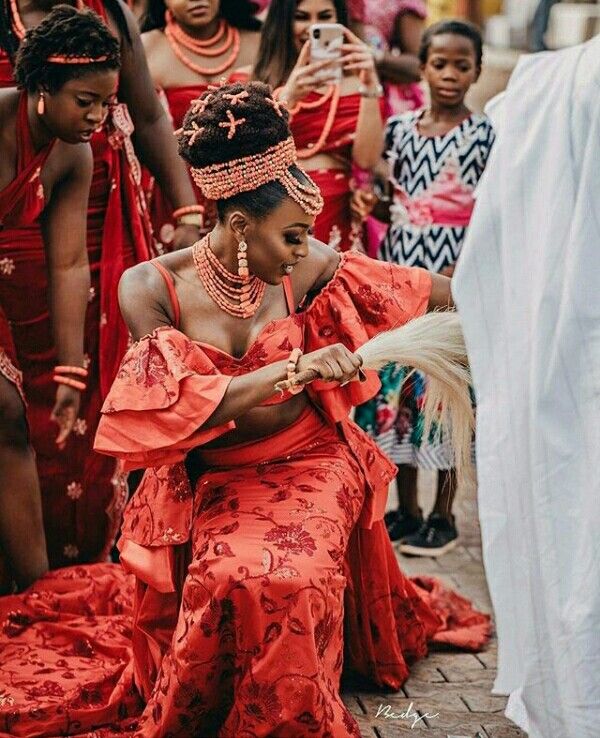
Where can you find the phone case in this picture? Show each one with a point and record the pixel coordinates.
(326, 40)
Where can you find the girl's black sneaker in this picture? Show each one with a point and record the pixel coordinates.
(435, 537)
(400, 524)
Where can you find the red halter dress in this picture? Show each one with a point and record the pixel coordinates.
(83, 498)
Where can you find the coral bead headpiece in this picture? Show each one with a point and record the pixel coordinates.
(225, 179)
(69, 59)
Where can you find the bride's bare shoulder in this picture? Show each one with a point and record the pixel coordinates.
(322, 263)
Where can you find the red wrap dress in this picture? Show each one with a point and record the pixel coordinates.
(334, 225)
(21, 204)
(254, 583)
(83, 498)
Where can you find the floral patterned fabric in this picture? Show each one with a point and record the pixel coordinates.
(21, 204)
(251, 590)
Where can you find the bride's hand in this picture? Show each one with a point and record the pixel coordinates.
(333, 363)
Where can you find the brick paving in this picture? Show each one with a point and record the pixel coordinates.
(455, 685)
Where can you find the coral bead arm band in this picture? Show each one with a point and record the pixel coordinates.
(78, 371)
(190, 215)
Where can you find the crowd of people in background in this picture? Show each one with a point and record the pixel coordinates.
(201, 226)
(392, 146)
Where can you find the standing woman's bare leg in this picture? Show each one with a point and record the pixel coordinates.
(22, 537)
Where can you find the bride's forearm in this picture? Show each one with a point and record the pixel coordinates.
(246, 392)
(441, 294)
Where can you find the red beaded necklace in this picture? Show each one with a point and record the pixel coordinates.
(177, 38)
(332, 93)
(235, 295)
(17, 23)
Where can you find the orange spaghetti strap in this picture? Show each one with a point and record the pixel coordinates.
(289, 294)
(172, 293)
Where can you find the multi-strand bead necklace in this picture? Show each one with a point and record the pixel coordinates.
(235, 295)
(333, 94)
(211, 47)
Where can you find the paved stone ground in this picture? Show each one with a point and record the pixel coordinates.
(456, 685)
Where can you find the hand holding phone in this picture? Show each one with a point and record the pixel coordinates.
(308, 76)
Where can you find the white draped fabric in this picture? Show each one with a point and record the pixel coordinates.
(528, 291)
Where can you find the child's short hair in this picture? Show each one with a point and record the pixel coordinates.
(459, 28)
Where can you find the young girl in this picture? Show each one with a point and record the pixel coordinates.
(436, 158)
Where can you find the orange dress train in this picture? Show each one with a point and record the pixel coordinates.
(257, 582)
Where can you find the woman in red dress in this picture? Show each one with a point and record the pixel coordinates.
(336, 126)
(45, 180)
(188, 48)
(264, 565)
(82, 496)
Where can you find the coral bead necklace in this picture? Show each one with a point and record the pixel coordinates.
(235, 295)
(178, 40)
(333, 94)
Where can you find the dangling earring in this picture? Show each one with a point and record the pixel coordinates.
(41, 106)
(242, 255)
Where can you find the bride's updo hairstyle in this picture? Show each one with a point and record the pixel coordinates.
(238, 144)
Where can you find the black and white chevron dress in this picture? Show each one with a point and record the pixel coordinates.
(416, 162)
(394, 418)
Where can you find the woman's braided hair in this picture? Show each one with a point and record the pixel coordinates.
(217, 140)
(64, 32)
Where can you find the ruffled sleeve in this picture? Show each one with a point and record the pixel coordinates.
(165, 390)
(364, 297)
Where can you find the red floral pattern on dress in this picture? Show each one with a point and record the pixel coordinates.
(292, 538)
(252, 589)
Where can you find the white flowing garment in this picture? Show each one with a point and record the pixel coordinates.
(528, 290)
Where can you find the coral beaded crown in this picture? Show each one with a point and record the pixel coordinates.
(224, 179)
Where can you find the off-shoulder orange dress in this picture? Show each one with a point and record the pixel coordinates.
(258, 582)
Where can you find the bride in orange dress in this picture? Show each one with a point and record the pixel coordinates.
(261, 561)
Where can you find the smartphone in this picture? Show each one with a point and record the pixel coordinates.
(326, 41)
